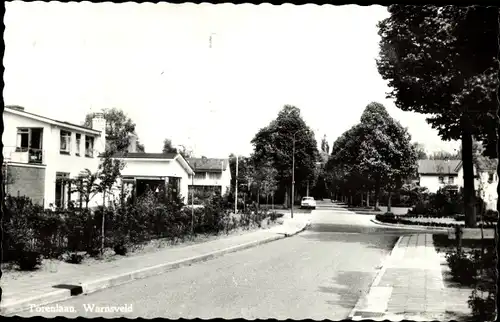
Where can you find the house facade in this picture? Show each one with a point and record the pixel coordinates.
(156, 172)
(436, 174)
(211, 175)
(40, 153)
(488, 182)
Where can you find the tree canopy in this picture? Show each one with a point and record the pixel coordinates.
(443, 61)
(275, 144)
(119, 127)
(375, 153)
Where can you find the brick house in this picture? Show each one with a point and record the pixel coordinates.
(39, 153)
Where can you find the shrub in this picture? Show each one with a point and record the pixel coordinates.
(74, 258)
(29, 260)
(275, 215)
(482, 300)
(388, 218)
(491, 216)
(120, 249)
(463, 266)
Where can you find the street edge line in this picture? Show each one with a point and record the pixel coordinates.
(377, 279)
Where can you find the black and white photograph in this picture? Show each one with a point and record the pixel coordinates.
(254, 161)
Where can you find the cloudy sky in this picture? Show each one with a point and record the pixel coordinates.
(154, 62)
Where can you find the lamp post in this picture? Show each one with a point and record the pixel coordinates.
(192, 199)
(236, 189)
(293, 166)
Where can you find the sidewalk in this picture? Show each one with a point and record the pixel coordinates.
(38, 288)
(410, 286)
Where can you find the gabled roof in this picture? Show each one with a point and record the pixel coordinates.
(157, 156)
(208, 165)
(19, 110)
(436, 167)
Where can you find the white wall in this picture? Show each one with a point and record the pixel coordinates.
(487, 190)
(158, 168)
(55, 162)
(224, 181)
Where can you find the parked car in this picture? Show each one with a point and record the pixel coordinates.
(308, 202)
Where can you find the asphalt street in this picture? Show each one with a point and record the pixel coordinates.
(318, 274)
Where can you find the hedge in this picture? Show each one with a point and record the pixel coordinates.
(30, 231)
(393, 219)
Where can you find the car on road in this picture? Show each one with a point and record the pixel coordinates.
(308, 202)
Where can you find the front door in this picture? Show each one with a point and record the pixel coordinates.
(62, 189)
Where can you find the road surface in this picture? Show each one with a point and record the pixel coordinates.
(318, 274)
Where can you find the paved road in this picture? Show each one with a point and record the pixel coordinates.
(319, 274)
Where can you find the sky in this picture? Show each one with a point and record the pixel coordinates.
(154, 61)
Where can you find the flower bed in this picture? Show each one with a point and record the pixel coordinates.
(425, 221)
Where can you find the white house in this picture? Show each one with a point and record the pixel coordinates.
(155, 171)
(40, 152)
(211, 175)
(436, 174)
(488, 182)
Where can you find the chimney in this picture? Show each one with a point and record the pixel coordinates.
(132, 146)
(99, 124)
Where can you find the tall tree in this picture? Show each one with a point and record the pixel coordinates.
(376, 153)
(168, 147)
(420, 150)
(119, 127)
(442, 61)
(275, 143)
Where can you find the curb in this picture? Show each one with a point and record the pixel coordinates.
(108, 282)
(416, 227)
(376, 280)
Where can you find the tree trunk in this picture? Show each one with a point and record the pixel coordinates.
(286, 203)
(272, 197)
(258, 198)
(377, 194)
(362, 201)
(368, 198)
(102, 224)
(468, 166)
(350, 199)
(389, 201)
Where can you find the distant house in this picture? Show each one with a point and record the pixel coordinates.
(40, 153)
(210, 175)
(488, 181)
(436, 174)
(156, 172)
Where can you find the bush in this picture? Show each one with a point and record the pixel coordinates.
(120, 249)
(29, 260)
(463, 266)
(483, 299)
(74, 258)
(275, 215)
(388, 218)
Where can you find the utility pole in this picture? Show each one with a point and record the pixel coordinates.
(236, 188)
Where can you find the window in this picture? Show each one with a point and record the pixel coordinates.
(214, 176)
(199, 175)
(490, 177)
(451, 180)
(441, 179)
(65, 142)
(89, 146)
(78, 142)
(23, 139)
